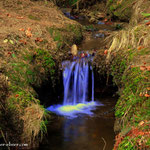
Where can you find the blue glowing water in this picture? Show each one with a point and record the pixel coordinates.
(78, 80)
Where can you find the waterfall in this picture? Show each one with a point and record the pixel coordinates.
(76, 81)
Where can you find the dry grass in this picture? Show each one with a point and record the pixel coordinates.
(19, 69)
(136, 34)
(131, 37)
(136, 12)
(32, 123)
(139, 7)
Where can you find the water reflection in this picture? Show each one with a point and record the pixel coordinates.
(81, 133)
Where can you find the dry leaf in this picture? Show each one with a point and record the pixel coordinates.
(21, 29)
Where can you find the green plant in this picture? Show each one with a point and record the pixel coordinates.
(34, 18)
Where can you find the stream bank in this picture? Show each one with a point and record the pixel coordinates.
(127, 60)
(37, 40)
(34, 37)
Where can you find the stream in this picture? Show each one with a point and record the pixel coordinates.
(91, 127)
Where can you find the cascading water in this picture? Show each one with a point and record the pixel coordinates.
(78, 80)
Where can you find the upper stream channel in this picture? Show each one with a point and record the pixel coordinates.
(89, 123)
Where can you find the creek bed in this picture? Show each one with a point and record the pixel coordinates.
(83, 132)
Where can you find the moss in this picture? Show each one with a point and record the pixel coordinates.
(25, 69)
(132, 106)
(121, 10)
(47, 61)
(34, 18)
(126, 144)
(66, 36)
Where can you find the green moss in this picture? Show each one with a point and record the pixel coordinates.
(132, 107)
(34, 18)
(66, 36)
(121, 10)
(47, 61)
(126, 144)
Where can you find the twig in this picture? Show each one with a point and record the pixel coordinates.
(104, 143)
(4, 139)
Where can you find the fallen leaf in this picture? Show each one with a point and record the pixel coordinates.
(148, 88)
(132, 66)
(147, 95)
(140, 47)
(11, 41)
(21, 29)
(105, 20)
(148, 68)
(9, 53)
(8, 15)
(20, 17)
(17, 95)
(140, 94)
(82, 55)
(22, 41)
(5, 41)
(142, 68)
(148, 23)
(38, 39)
(105, 52)
(141, 123)
(29, 29)
(28, 33)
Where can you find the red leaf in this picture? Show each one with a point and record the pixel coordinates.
(82, 55)
(17, 95)
(105, 52)
(9, 53)
(142, 68)
(38, 39)
(22, 41)
(8, 15)
(140, 47)
(148, 68)
(147, 95)
(148, 23)
(21, 29)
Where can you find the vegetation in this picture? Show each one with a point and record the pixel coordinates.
(32, 50)
(30, 53)
(127, 60)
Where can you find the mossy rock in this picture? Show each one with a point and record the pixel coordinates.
(122, 10)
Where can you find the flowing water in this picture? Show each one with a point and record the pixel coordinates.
(84, 120)
(78, 80)
(83, 132)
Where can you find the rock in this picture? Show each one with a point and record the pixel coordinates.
(74, 50)
(100, 22)
(99, 35)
